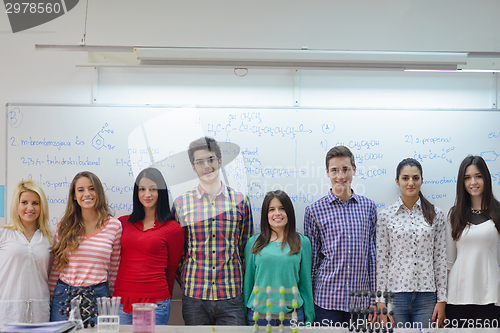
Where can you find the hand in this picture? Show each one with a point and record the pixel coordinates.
(373, 317)
(383, 319)
(439, 313)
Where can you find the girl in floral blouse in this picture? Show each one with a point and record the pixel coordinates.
(411, 253)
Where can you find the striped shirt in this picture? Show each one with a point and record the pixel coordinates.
(343, 249)
(95, 261)
(217, 230)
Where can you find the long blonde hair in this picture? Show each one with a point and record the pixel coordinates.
(43, 220)
(71, 224)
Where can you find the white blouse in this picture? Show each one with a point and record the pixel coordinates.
(473, 262)
(24, 292)
(411, 254)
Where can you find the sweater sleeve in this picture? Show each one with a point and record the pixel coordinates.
(175, 248)
(305, 283)
(249, 280)
(311, 231)
(115, 259)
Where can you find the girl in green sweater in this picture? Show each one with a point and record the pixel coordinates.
(278, 257)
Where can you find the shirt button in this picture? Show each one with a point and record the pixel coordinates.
(213, 282)
(213, 235)
(213, 267)
(213, 251)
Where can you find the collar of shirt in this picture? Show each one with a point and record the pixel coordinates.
(401, 206)
(200, 192)
(354, 197)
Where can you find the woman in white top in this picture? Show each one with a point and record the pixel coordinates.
(411, 253)
(25, 259)
(473, 244)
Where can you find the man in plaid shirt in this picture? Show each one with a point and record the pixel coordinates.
(218, 222)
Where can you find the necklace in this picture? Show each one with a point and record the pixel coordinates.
(477, 212)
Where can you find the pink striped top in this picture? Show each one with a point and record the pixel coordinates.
(95, 261)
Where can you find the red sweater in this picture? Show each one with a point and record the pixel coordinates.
(148, 263)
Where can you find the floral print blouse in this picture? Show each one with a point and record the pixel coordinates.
(411, 254)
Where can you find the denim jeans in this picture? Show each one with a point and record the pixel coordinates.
(162, 313)
(327, 317)
(60, 294)
(275, 322)
(219, 312)
(415, 308)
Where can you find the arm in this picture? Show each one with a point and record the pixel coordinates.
(451, 247)
(383, 252)
(312, 232)
(246, 229)
(115, 259)
(440, 265)
(175, 246)
(440, 272)
(249, 281)
(54, 273)
(305, 281)
(372, 256)
(182, 261)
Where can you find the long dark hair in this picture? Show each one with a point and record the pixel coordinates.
(458, 214)
(427, 207)
(71, 224)
(291, 236)
(162, 211)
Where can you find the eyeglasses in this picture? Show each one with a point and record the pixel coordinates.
(211, 161)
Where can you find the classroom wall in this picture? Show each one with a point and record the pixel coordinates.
(29, 76)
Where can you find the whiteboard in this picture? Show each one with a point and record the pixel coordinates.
(263, 149)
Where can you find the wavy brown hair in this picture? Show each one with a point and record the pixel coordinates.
(291, 236)
(458, 214)
(71, 224)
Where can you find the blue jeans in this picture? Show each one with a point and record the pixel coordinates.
(329, 317)
(162, 313)
(219, 312)
(414, 308)
(275, 322)
(60, 294)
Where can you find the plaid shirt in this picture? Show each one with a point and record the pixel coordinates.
(217, 230)
(343, 249)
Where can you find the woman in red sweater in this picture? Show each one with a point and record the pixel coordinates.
(152, 244)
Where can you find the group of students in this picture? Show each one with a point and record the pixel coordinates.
(435, 269)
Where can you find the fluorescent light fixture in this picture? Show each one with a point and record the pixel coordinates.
(298, 59)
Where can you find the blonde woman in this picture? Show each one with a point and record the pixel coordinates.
(87, 244)
(25, 259)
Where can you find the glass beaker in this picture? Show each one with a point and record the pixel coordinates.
(143, 317)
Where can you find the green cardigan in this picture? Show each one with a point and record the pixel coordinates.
(275, 268)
